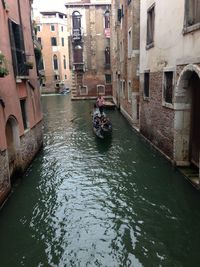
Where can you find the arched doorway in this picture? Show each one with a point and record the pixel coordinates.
(13, 144)
(187, 117)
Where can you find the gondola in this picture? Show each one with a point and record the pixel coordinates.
(102, 126)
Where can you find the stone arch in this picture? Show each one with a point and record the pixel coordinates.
(184, 113)
(13, 143)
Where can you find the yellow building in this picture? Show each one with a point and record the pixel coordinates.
(53, 35)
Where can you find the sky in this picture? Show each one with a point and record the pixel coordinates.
(48, 4)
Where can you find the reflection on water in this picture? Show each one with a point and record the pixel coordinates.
(91, 202)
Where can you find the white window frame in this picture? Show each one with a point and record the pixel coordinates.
(51, 28)
(190, 15)
(122, 85)
(39, 28)
(164, 103)
(98, 86)
(150, 27)
(145, 97)
(80, 90)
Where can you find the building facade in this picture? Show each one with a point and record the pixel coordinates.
(53, 36)
(170, 78)
(89, 27)
(125, 57)
(20, 107)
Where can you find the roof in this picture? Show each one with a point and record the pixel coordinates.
(88, 3)
(52, 12)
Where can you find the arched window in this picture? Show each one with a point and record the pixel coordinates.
(64, 62)
(107, 19)
(78, 54)
(55, 62)
(107, 55)
(76, 20)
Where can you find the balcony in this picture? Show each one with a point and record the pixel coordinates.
(22, 71)
(107, 66)
(76, 35)
(79, 66)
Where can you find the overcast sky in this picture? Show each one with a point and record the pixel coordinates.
(48, 4)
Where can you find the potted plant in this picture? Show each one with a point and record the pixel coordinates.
(3, 66)
(29, 64)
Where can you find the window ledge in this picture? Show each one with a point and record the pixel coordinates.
(146, 98)
(167, 105)
(148, 46)
(20, 78)
(188, 29)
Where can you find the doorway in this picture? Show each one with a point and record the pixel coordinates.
(194, 83)
(187, 117)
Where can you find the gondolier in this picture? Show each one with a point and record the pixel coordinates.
(100, 103)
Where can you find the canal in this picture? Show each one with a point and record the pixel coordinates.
(89, 202)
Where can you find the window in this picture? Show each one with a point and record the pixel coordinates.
(150, 26)
(129, 91)
(62, 29)
(55, 62)
(79, 78)
(168, 87)
(83, 90)
(119, 14)
(78, 54)
(146, 84)
(100, 90)
(39, 40)
(64, 62)
(53, 41)
(108, 78)
(65, 77)
(192, 12)
(107, 57)
(107, 19)
(129, 43)
(38, 28)
(24, 115)
(122, 87)
(41, 64)
(76, 20)
(52, 28)
(17, 49)
(63, 41)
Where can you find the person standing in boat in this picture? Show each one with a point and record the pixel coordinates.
(100, 103)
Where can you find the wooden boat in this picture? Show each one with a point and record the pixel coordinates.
(102, 126)
(109, 105)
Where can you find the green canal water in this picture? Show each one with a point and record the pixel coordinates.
(89, 202)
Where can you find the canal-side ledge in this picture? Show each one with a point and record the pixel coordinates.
(190, 173)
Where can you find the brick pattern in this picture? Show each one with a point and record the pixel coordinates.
(156, 121)
(30, 143)
(4, 176)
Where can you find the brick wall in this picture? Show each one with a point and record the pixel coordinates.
(156, 121)
(31, 142)
(4, 176)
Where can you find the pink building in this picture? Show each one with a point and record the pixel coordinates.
(20, 108)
